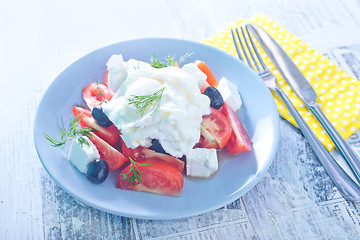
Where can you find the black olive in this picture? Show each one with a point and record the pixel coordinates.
(100, 117)
(156, 146)
(97, 171)
(216, 100)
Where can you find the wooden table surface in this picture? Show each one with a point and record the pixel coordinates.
(38, 39)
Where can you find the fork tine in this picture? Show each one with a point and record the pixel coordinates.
(255, 49)
(249, 48)
(243, 49)
(236, 46)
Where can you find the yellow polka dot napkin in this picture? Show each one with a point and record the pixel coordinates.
(338, 92)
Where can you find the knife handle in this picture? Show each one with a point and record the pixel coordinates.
(350, 156)
(346, 186)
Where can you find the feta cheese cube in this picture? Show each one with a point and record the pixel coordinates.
(230, 94)
(81, 156)
(201, 162)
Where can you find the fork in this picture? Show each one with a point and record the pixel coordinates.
(248, 53)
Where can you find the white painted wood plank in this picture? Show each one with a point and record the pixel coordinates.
(295, 200)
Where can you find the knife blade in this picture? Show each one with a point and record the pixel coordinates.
(306, 93)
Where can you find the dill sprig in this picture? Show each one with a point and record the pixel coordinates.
(99, 93)
(138, 65)
(134, 174)
(70, 133)
(170, 60)
(143, 102)
(156, 63)
(185, 57)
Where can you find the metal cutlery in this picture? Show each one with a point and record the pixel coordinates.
(304, 90)
(346, 186)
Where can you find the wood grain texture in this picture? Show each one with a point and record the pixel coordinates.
(295, 199)
(66, 218)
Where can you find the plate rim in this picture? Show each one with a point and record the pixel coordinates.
(253, 181)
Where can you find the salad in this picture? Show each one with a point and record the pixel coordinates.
(154, 123)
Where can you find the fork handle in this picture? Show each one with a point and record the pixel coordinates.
(346, 186)
(350, 156)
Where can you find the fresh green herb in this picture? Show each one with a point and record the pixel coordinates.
(138, 65)
(83, 141)
(156, 63)
(170, 60)
(99, 93)
(134, 174)
(143, 102)
(185, 57)
(70, 133)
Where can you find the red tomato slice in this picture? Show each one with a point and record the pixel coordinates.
(206, 140)
(143, 152)
(106, 78)
(108, 134)
(80, 112)
(176, 64)
(157, 177)
(113, 157)
(218, 126)
(205, 69)
(95, 94)
(133, 153)
(239, 141)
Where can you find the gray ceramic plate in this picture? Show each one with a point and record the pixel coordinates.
(237, 174)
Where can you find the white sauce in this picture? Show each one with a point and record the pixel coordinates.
(176, 122)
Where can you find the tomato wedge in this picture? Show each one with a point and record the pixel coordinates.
(95, 94)
(176, 64)
(205, 69)
(143, 152)
(113, 157)
(108, 134)
(133, 153)
(106, 78)
(157, 177)
(239, 140)
(218, 126)
(206, 140)
(81, 112)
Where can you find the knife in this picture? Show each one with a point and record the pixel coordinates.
(306, 93)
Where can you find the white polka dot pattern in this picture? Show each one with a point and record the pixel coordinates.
(338, 92)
